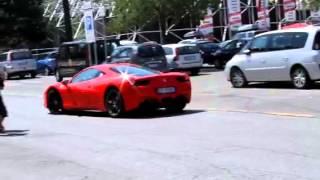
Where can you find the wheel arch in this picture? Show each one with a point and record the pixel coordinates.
(53, 90)
(298, 65)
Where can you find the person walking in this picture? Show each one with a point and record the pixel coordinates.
(3, 109)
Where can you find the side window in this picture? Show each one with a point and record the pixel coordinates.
(3, 57)
(286, 41)
(87, 75)
(281, 42)
(316, 45)
(260, 44)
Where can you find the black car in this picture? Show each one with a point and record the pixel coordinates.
(149, 55)
(207, 48)
(227, 51)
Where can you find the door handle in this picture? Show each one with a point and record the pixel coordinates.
(285, 59)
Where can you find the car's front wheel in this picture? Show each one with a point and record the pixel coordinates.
(55, 105)
(114, 103)
(300, 78)
(238, 80)
(33, 74)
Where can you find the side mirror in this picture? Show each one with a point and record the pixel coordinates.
(247, 52)
(109, 58)
(65, 82)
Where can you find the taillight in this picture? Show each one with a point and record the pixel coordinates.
(176, 58)
(183, 79)
(141, 82)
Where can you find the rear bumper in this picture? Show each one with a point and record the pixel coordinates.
(24, 72)
(136, 97)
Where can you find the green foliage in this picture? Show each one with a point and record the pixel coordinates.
(136, 13)
(21, 22)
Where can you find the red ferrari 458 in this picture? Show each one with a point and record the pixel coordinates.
(119, 88)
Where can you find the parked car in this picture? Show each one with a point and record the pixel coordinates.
(284, 55)
(74, 56)
(226, 52)
(148, 54)
(184, 57)
(119, 88)
(47, 63)
(206, 48)
(19, 62)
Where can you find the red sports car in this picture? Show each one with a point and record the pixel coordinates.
(119, 88)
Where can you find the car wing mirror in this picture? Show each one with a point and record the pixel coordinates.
(65, 82)
(247, 51)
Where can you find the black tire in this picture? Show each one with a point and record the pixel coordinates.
(300, 78)
(114, 103)
(55, 104)
(237, 78)
(176, 107)
(217, 64)
(59, 78)
(22, 76)
(33, 74)
(195, 71)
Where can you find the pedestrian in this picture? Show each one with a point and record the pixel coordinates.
(3, 109)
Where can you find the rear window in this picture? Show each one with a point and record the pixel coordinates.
(137, 71)
(21, 55)
(150, 51)
(189, 50)
(168, 51)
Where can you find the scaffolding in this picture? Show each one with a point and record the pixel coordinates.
(103, 10)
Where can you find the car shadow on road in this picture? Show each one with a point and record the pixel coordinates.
(14, 133)
(135, 114)
(278, 85)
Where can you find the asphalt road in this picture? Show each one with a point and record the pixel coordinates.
(225, 134)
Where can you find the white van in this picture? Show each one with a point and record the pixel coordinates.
(18, 63)
(284, 55)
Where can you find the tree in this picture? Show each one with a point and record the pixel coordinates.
(21, 23)
(131, 14)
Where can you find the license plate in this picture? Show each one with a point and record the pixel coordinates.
(189, 58)
(166, 90)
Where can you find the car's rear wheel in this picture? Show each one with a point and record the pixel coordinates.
(300, 78)
(114, 103)
(22, 76)
(217, 64)
(238, 80)
(55, 105)
(176, 107)
(195, 71)
(33, 74)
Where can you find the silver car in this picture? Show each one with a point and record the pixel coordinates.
(284, 55)
(18, 63)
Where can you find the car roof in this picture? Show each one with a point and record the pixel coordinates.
(307, 29)
(177, 45)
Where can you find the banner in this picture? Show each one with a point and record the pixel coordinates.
(206, 26)
(263, 14)
(234, 13)
(88, 22)
(289, 8)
